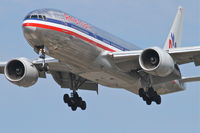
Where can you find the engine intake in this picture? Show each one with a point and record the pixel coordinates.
(156, 61)
(21, 72)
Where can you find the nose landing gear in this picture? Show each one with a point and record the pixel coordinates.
(149, 96)
(42, 55)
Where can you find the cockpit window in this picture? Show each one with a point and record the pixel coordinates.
(27, 17)
(34, 16)
(42, 17)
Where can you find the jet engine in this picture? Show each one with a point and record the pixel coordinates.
(156, 61)
(21, 72)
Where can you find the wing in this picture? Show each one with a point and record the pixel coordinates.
(185, 55)
(50, 61)
(126, 61)
(130, 59)
(2, 65)
(59, 71)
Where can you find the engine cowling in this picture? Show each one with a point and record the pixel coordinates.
(21, 72)
(156, 61)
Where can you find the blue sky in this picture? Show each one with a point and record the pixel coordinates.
(40, 109)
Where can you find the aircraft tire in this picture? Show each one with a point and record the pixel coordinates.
(141, 92)
(148, 101)
(158, 99)
(83, 105)
(66, 98)
(73, 107)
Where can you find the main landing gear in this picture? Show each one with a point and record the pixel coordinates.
(74, 101)
(149, 96)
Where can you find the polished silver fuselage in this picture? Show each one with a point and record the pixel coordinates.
(81, 57)
(80, 47)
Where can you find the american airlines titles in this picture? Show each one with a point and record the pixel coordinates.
(76, 21)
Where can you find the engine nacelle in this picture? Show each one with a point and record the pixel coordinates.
(21, 72)
(156, 61)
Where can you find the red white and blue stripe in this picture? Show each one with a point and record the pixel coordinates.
(76, 31)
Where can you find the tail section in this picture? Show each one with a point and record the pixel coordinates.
(174, 36)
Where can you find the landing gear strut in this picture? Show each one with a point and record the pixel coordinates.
(74, 100)
(149, 96)
(42, 55)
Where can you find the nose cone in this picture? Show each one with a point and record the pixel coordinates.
(28, 27)
(29, 30)
(30, 33)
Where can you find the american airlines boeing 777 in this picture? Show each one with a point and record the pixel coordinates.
(81, 56)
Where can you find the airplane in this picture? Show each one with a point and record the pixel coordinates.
(79, 55)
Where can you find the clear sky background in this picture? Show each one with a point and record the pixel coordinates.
(146, 23)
